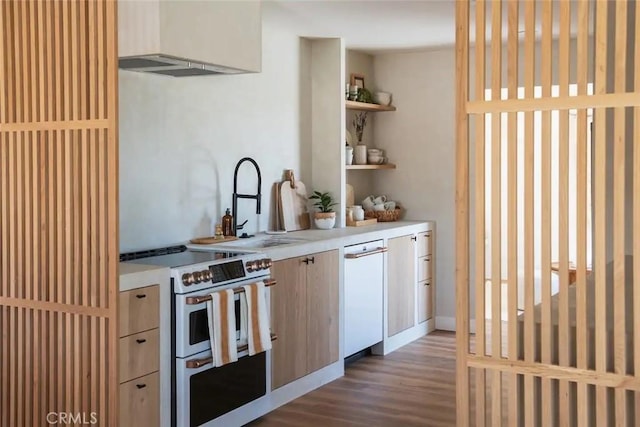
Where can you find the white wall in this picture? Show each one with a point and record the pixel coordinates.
(180, 139)
(360, 63)
(420, 138)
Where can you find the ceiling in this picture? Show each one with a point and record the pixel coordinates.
(373, 26)
(378, 26)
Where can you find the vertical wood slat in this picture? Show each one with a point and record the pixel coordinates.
(496, 210)
(636, 217)
(480, 270)
(600, 211)
(512, 213)
(545, 196)
(55, 186)
(3, 74)
(563, 212)
(22, 67)
(530, 417)
(619, 229)
(462, 214)
(582, 144)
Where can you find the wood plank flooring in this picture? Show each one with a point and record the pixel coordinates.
(413, 386)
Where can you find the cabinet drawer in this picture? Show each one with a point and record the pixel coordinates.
(424, 244)
(139, 354)
(425, 301)
(424, 268)
(139, 310)
(140, 402)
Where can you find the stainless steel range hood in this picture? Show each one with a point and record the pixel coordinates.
(172, 66)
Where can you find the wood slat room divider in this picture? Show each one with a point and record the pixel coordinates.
(58, 213)
(548, 212)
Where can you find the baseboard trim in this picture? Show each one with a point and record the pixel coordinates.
(445, 323)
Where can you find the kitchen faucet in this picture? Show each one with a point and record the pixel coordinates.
(236, 196)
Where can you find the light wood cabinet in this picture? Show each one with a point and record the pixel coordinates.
(304, 314)
(139, 354)
(322, 310)
(140, 401)
(139, 362)
(426, 280)
(425, 301)
(410, 277)
(139, 310)
(401, 289)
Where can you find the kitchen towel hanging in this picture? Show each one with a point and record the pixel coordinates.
(222, 327)
(258, 334)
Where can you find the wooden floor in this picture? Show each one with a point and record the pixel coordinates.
(413, 386)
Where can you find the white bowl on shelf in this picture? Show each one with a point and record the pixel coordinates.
(383, 98)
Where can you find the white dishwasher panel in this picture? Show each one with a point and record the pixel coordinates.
(363, 288)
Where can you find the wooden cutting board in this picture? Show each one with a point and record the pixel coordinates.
(349, 199)
(293, 198)
(212, 240)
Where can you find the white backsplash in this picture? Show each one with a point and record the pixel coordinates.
(180, 139)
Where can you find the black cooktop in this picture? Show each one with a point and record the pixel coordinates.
(175, 256)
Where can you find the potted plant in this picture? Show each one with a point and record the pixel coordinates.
(325, 218)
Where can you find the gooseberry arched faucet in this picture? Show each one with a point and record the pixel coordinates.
(257, 197)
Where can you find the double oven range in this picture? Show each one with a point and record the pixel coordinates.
(201, 392)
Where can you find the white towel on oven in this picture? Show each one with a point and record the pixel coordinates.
(258, 335)
(222, 327)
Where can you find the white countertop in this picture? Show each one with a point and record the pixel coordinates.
(134, 276)
(324, 240)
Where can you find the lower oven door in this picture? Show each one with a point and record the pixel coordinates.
(192, 325)
(206, 393)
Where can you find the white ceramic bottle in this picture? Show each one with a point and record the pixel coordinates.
(358, 212)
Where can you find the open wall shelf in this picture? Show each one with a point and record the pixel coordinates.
(370, 167)
(363, 106)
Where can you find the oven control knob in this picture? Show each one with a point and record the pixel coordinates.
(207, 275)
(198, 277)
(265, 263)
(188, 279)
(252, 266)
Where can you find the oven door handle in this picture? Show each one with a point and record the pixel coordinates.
(199, 363)
(205, 298)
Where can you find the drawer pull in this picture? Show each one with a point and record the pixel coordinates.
(141, 340)
(140, 296)
(414, 238)
(141, 385)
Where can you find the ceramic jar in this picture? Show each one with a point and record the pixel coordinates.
(357, 212)
(360, 154)
(348, 155)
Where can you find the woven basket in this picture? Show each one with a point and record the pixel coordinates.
(384, 216)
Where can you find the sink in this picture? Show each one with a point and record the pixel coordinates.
(265, 242)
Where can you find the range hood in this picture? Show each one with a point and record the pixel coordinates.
(182, 38)
(172, 66)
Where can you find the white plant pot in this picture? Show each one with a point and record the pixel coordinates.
(324, 220)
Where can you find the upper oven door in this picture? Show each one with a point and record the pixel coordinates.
(192, 324)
